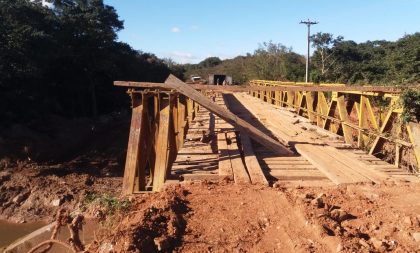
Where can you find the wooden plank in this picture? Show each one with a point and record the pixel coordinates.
(247, 88)
(285, 158)
(201, 177)
(413, 130)
(229, 117)
(328, 166)
(290, 166)
(133, 149)
(347, 131)
(139, 147)
(162, 143)
(285, 163)
(357, 166)
(255, 172)
(225, 166)
(240, 174)
(384, 127)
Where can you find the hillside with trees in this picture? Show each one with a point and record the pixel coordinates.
(334, 60)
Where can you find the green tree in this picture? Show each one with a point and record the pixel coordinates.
(210, 62)
(324, 58)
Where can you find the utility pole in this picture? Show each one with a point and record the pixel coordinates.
(308, 23)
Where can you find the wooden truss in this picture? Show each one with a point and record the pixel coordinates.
(158, 126)
(367, 119)
(161, 113)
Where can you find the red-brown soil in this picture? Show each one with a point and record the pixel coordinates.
(223, 217)
(42, 170)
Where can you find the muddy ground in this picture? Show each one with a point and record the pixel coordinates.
(223, 217)
(199, 216)
(57, 163)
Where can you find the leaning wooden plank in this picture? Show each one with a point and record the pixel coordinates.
(240, 174)
(231, 118)
(254, 169)
(225, 166)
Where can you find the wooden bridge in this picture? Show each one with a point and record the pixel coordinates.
(267, 132)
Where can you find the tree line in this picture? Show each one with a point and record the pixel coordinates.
(62, 60)
(271, 61)
(371, 62)
(334, 60)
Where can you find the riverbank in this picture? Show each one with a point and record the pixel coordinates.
(79, 158)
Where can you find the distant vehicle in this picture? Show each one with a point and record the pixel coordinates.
(198, 79)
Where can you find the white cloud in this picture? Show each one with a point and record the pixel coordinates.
(183, 57)
(175, 29)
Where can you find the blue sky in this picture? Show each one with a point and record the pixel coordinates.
(191, 30)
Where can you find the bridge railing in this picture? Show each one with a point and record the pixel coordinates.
(370, 120)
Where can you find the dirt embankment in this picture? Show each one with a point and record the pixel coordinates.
(208, 217)
(57, 163)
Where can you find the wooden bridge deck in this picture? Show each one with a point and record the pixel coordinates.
(213, 150)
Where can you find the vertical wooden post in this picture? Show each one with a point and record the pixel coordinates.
(344, 117)
(172, 140)
(190, 110)
(361, 115)
(322, 109)
(181, 120)
(162, 141)
(137, 150)
(277, 97)
(310, 106)
(413, 130)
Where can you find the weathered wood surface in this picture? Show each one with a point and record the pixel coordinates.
(414, 135)
(254, 169)
(229, 117)
(240, 173)
(197, 160)
(162, 145)
(133, 149)
(225, 166)
(321, 150)
(246, 88)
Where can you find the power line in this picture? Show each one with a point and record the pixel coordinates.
(308, 23)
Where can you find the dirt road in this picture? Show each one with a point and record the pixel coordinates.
(223, 217)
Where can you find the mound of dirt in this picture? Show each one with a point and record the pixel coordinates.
(156, 223)
(223, 217)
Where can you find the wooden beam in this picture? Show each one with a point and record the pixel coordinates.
(162, 144)
(229, 117)
(254, 169)
(247, 88)
(344, 117)
(225, 166)
(385, 126)
(137, 142)
(413, 130)
(240, 174)
(133, 147)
